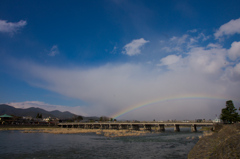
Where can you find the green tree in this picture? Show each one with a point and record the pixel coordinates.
(77, 118)
(229, 114)
(104, 118)
(80, 118)
(39, 115)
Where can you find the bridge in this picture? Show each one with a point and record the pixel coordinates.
(158, 126)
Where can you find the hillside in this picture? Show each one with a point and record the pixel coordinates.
(7, 109)
(224, 143)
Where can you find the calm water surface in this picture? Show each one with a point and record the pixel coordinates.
(18, 145)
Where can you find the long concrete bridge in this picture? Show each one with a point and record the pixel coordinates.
(158, 126)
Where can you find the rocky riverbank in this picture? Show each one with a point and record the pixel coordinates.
(224, 143)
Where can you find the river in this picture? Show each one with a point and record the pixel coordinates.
(166, 145)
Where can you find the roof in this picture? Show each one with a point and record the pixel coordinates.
(5, 116)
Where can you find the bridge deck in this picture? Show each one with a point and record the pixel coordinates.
(142, 123)
(158, 126)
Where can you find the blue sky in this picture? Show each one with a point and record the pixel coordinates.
(102, 57)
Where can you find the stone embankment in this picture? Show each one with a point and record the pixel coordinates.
(223, 143)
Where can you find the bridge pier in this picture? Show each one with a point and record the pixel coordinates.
(130, 127)
(193, 128)
(136, 127)
(120, 127)
(147, 127)
(176, 128)
(161, 128)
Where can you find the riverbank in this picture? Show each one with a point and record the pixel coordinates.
(223, 143)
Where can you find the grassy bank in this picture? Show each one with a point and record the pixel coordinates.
(223, 143)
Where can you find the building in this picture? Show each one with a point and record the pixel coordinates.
(6, 119)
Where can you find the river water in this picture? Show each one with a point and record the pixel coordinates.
(167, 145)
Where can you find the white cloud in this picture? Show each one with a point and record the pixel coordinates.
(203, 72)
(237, 69)
(169, 60)
(210, 60)
(54, 51)
(133, 48)
(234, 51)
(230, 28)
(10, 27)
(207, 60)
(232, 73)
(112, 88)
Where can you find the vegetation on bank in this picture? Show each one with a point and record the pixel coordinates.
(223, 143)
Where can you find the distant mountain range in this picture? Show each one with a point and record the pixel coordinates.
(10, 110)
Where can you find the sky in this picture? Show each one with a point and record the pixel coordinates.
(133, 60)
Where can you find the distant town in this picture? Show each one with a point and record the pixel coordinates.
(36, 116)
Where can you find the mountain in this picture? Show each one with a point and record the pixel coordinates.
(10, 110)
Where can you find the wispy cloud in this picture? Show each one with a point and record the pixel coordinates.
(192, 31)
(11, 27)
(184, 43)
(230, 28)
(114, 50)
(134, 47)
(54, 51)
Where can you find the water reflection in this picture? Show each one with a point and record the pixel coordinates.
(15, 144)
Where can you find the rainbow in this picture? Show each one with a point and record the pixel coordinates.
(166, 99)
